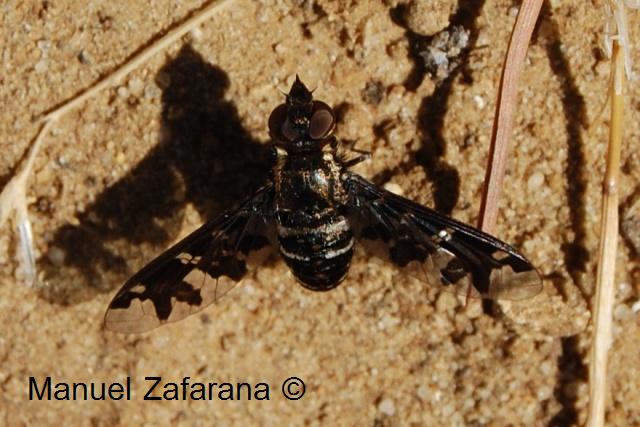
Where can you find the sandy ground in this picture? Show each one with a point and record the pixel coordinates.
(184, 137)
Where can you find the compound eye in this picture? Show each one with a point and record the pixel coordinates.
(322, 120)
(280, 127)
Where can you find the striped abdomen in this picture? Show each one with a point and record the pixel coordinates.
(318, 249)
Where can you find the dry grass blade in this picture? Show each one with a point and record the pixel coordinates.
(605, 294)
(139, 59)
(13, 200)
(506, 105)
(616, 28)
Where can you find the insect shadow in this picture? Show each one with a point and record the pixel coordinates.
(204, 157)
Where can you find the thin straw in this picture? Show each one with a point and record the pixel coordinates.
(605, 291)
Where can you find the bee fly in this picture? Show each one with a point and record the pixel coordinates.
(313, 210)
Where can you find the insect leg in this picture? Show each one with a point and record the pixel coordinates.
(350, 146)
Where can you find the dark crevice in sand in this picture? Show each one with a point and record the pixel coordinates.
(431, 114)
(575, 252)
(570, 370)
(628, 224)
(204, 157)
(465, 16)
(570, 365)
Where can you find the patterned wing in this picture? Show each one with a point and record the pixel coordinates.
(436, 248)
(196, 271)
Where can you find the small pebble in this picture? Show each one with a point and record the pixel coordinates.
(160, 341)
(56, 255)
(447, 410)
(535, 181)
(123, 92)
(280, 49)
(196, 34)
(44, 45)
(624, 290)
(544, 393)
(622, 312)
(136, 86)
(423, 392)
(41, 66)
(428, 16)
(151, 91)
(442, 55)
(546, 368)
(84, 57)
(473, 309)
(373, 93)
(446, 301)
(387, 407)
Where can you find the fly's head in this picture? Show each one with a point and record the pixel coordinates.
(301, 125)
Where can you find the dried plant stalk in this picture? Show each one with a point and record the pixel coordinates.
(13, 200)
(139, 59)
(616, 28)
(605, 291)
(506, 105)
